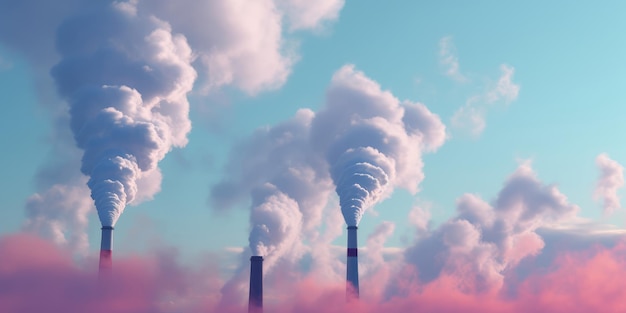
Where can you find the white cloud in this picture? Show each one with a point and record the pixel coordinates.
(235, 250)
(420, 216)
(484, 239)
(610, 181)
(505, 89)
(448, 58)
(471, 117)
(61, 213)
(242, 43)
(236, 42)
(306, 14)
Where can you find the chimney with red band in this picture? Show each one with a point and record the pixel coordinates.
(352, 274)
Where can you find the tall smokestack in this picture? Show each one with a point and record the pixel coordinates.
(255, 302)
(106, 262)
(352, 273)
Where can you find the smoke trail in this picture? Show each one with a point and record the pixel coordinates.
(368, 139)
(252, 56)
(275, 223)
(125, 77)
(288, 188)
(371, 141)
(361, 178)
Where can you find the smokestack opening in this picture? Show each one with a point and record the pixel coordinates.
(106, 253)
(255, 300)
(352, 265)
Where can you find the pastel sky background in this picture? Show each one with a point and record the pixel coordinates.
(531, 95)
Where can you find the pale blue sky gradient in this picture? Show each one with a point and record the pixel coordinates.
(569, 60)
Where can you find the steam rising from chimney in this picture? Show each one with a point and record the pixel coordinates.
(361, 179)
(372, 143)
(362, 143)
(125, 77)
(275, 221)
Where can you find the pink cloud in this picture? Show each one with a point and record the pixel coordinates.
(472, 117)
(586, 281)
(36, 276)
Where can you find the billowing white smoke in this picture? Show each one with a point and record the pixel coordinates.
(371, 141)
(125, 77)
(362, 143)
(287, 184)
(275, 222)
(235, 42)
(361, 178)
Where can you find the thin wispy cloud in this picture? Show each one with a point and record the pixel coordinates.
(302, 15)
(505, 90)
(472, 117)
(610, 181)
(449, 60)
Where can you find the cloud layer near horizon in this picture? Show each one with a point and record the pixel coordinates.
(36, 276)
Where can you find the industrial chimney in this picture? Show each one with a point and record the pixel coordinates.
(255, 302)
(352, 274)
(106, 262)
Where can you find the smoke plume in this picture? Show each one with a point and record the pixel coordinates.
(116, 51)
(371, 141)
(276, 222)
(125, 77)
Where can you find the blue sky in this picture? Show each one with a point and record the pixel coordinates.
(567, 60)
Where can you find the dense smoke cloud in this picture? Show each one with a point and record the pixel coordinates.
(282, 156)
(363, 139)
(276, 223)
(371, 141)
(125, 77)
(253, 56)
